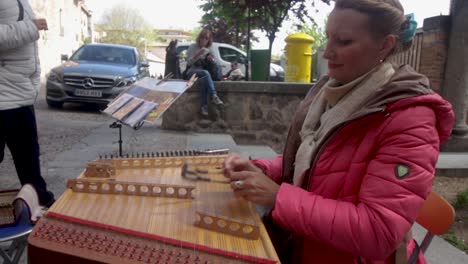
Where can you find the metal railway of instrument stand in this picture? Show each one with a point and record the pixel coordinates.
(118, 124)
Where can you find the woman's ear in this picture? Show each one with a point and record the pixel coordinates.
(388, 45)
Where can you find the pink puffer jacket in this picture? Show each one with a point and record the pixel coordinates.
(369, 181)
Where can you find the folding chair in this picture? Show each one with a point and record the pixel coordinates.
(436, 216)
(14, 239)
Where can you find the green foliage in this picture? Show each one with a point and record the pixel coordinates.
(125, 25)
(318, 33)
(87, 40)
(227, 20)
(228, 16)
(455, 241)
(461, 201)
(460, 204)
(195, 33)
(121, 17)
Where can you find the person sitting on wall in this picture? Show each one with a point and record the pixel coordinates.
(198, 54)
(235, 73)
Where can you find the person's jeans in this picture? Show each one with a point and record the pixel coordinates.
(18, 131)
(207, 85)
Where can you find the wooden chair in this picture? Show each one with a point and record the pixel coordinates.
(436, 216)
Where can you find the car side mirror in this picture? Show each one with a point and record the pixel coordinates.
(242, 60)
(64, 57)
(144, 64)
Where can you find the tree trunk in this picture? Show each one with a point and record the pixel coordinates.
(271, 39)
(456, 72)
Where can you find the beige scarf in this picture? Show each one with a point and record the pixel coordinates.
(332, 106)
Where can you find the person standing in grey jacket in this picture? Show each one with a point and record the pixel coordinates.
(19, 88)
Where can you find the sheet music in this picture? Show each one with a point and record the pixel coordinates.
(146, 100)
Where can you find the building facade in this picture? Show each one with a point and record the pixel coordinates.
(70, 25)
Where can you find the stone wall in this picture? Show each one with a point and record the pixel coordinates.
(434, 50)
(253, 112)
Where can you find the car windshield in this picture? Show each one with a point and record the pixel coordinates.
(105, 54)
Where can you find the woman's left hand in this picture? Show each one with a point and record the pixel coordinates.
(210, 57)
(254, 186)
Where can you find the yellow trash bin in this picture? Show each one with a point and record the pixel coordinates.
(298, 53)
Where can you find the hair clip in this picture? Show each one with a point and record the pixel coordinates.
(408, 34)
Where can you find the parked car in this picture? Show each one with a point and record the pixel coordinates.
(224, 55)
(95, 73)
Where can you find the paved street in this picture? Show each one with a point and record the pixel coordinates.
(59, 130)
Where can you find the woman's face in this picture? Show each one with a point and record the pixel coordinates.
(351, 49)
(204, 39)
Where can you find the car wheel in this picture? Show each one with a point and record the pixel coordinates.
(54, 104)
(101, 107)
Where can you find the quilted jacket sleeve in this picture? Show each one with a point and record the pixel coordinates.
(272, 167)
(387, 205)
(17, 34)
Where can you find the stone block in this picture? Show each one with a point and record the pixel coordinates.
(456, 143)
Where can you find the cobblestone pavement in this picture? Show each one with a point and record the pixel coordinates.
(58, 129)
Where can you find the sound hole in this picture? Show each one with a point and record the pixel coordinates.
(222, 223)
(170, 191)
(105, 187)
(197, 218)
(247, 229)
(131, 188)
(234, 226)
(182, 192)
(118, 187)
(208, 220)
(144, 189)
(156, 189)
(93, 187)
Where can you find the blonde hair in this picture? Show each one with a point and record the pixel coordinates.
(385, 17)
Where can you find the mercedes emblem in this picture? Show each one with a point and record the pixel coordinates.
(88, 83)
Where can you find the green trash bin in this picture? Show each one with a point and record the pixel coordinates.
(260, 66)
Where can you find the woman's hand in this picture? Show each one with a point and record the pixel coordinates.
(255, 187)
(249, 181)
(210, 57)
(234, 162)
(41, 24)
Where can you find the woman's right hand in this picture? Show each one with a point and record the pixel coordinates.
(234, 163)
(40, 23)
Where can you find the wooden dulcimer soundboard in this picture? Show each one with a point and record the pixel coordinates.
(172, 207)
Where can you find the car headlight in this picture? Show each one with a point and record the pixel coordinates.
(126, 81)
(55, 76)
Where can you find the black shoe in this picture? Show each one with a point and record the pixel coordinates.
(215, 99)
(204, 110)
(47, 201)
